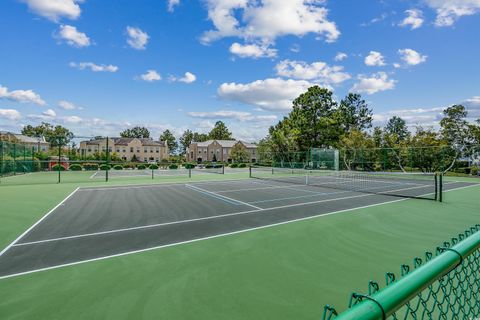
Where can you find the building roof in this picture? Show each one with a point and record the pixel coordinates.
(126, 141)
(225, 143)
(24, 138)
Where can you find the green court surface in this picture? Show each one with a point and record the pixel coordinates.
(281, 272)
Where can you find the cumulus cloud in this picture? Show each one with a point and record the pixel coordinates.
(375, 59)
(449, 11)
(252, 51)
(94, 67)
(54, 10)
(187, 78)
(411, 57)
(268, 19)
(22, 96)
(341, 56)
(150, 76)
(270, 94)
(414, 19)
(137, 39)
(318, 71)
(10, 114)
(230, 114)
(473, 106)
(66, 105)
(73, 37)
(49, 113)
(374, 83)
(172, 4)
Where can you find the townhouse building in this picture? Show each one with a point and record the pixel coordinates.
(218, 150)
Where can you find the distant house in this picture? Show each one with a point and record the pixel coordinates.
(126, 148)
(35, 143)
(219, 150)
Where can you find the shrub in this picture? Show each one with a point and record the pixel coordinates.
(242, 165)
(173, 166)
(234, 165)
(129, 166)
(104, 166)
(209, 166)
(90, 166)
(474, 171)
(189, 165)
(153, 167)
(218, 165)
(141, 167)
(58, 167)
(76, 167)
(118, 167)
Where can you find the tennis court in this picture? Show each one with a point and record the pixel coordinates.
(98, 223)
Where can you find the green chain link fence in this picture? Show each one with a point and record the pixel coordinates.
(441, 286)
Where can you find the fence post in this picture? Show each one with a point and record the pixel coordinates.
(107, 161)
(59, 160)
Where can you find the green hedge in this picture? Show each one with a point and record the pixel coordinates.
(141, 167)
(58, 167)
(76, 167)
(105, 167)
(234, 165)
(118, 167)
(242, 165)
(90, 166)
(474, 171)
(189, 165)
(173, 166)
(153, 167)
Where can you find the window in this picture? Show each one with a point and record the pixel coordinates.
(138, 150)
(199, 152)
(145, 150)
(131, 149)
(157, 150)
(253, 151)
(151, 150)
(123, 150)
(89, 150)
(118, 150)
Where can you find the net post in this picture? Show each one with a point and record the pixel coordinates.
(189, 172)
(436, 186)
(250, 171)
(440, 189)
(1, 159)
(223, 168)
(152, 173)
(107, 161)
(14, 159)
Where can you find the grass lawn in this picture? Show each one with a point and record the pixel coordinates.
(283, 272)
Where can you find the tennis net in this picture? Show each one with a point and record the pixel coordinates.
(407, 185)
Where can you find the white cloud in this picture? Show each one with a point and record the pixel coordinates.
(252, 51)
(150, 76)
(295, 48)
(94, 67)
(187, 78)
(73, 37)
(318, 71)
(22, 96)
(230, 114)
(269, 94)
(473, 106)
(49, 113)
(137, 39)
(374, 83)
(375, 59)
(10, 114)
(411, 57)
(55, 9)
(268, 19)
(414, 19)
(66, 105)
(449, 11)
(172, 4)
(341, 56)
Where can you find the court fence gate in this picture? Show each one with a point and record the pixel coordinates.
(444, 286)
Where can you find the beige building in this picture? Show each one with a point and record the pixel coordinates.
(143, 149)
(219, 150)
(37, 143)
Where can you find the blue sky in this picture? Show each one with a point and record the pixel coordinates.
(98, 67)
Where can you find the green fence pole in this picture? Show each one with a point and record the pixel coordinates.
(1, 158)
(107, 161)
(440, 189)
(59, 161)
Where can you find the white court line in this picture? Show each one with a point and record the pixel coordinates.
(213, 237)
(221, 196)
(36, 223)
(93, 175)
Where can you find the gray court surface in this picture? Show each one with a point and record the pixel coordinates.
(97, 223)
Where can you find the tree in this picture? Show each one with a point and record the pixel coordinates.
(169, 138)
(135, 132)
(55, 135)
(265, 150)
(355, 143)
(199, 137)
(425, 146)
(239, 153)
(185, 140)
(456, 131)
(354, 113)
(220, 132)
(397, 128)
